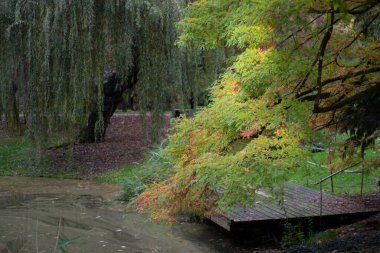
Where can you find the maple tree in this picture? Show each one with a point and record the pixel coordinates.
(303, 66)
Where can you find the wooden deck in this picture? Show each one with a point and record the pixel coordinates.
(298, 202)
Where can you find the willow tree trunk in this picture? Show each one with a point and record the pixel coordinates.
(113, 91)
(12, 112)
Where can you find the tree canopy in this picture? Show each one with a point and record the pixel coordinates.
(303, 66)
(56, 55)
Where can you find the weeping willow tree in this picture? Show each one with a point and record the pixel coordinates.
(66, 64)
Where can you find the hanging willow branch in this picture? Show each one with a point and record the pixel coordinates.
(55, 53)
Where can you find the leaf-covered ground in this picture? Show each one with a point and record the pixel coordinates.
(125, 143)
(362, 236)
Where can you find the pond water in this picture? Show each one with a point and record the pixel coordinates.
(48, 215)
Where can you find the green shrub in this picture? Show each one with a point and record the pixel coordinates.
(135, 178)
(293, 235)
(156, 168)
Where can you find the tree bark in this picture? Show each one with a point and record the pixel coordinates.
(12, 112)
(113, 90)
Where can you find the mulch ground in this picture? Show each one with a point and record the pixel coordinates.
(370, 200)
(125, 143)
(362, 236)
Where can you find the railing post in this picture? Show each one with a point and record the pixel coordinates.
(320, 207)
(361, 186)
(332, 181)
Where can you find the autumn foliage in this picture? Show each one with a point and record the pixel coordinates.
(302, 66)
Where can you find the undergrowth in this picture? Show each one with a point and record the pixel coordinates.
(19, 157)
(366, 242)
(135, 178)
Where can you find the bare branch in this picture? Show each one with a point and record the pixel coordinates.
(358, 35)
(359, 9)
(304, 80)
(322, 50)
(299, 30)
(341, 77)
(371, 90)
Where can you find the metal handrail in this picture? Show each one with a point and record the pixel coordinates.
(338, 172)
(330, 177)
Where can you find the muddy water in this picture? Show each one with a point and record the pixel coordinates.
(47, 215)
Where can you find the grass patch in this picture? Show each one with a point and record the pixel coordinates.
(13, 154)
(322, 237)
(135, 178)
(119, 175)
(18, 157)
(344, 183)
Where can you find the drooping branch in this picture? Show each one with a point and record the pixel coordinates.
(341, 78)
(372, 90)
(299, 30)
(66, 47)
(357, 35)
(321, 53)
(359, 9)
(312, 97)
(301, 83)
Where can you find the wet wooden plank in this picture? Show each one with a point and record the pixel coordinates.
(276, 213)
(308, 199)
(330, 198)
(302, 208)
(312, 208)
(222, 221)
(244, 214)
(298, 202)
(330, 204)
